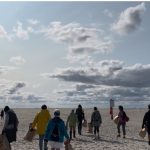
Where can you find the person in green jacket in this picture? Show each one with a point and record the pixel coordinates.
(72, 121)
(40, 121)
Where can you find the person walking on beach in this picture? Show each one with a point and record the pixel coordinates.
(121, 121)
(40, 121)
(80, 117)
(146, 122)
(10, 125)
(55, 132)
(2, 114)
(96, 121)
(72, 121)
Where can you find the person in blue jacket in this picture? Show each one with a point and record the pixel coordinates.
(55, 132)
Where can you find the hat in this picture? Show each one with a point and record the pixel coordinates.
(44, 107)
(56, 112)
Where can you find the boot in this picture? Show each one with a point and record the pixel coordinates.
(70, 135)
(74, 134)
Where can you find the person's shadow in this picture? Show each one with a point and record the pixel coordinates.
(138, 140)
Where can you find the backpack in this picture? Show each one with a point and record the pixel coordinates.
(55, 133)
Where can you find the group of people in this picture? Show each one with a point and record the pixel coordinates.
(54, 129)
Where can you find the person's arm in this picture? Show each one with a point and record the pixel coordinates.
(6, 121)
(35, 121)
(65, 131)
(92, 117)
(83, 115)
(100, 118)
(144, 120)
(50, 116)
(17, 122)
(47, 131)
(67, 120)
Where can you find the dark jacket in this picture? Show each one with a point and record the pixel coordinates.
(146, 120)
(11, 125)
(122, 115)
(96, 119)
(80, 114)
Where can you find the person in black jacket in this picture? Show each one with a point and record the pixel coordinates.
(146, 122)
(11, 125)
(80, 116)
(121, 121)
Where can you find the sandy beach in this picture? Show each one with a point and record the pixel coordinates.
(108, 131)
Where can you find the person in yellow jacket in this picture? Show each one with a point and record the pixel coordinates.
(40, 122)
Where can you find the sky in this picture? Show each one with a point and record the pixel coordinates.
(67, 53)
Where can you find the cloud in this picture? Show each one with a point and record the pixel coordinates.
(6, 69)
(33, 22)
(18, 60)
(129, 20)
(109, 73)
(108, 13)
(3, 32)
(99, 95)
(20, 32)
(16, 87)
(81, 40)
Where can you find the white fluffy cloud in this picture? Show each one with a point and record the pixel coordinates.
(3, 32)
(20, 32)
(81, 40)
(6, 69)
(18, 60)
(33, 22)
(129, 20)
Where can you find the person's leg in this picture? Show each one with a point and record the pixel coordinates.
(74, 132)
(97, 128)
(148, 131)
(94, 132)
(79, 127)
(124, 130)
(9, 146)
(118, 127)
(57, 148)
(41, 139)
(52, 148)
(149, 139)
(70, 132)
(45, 145)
